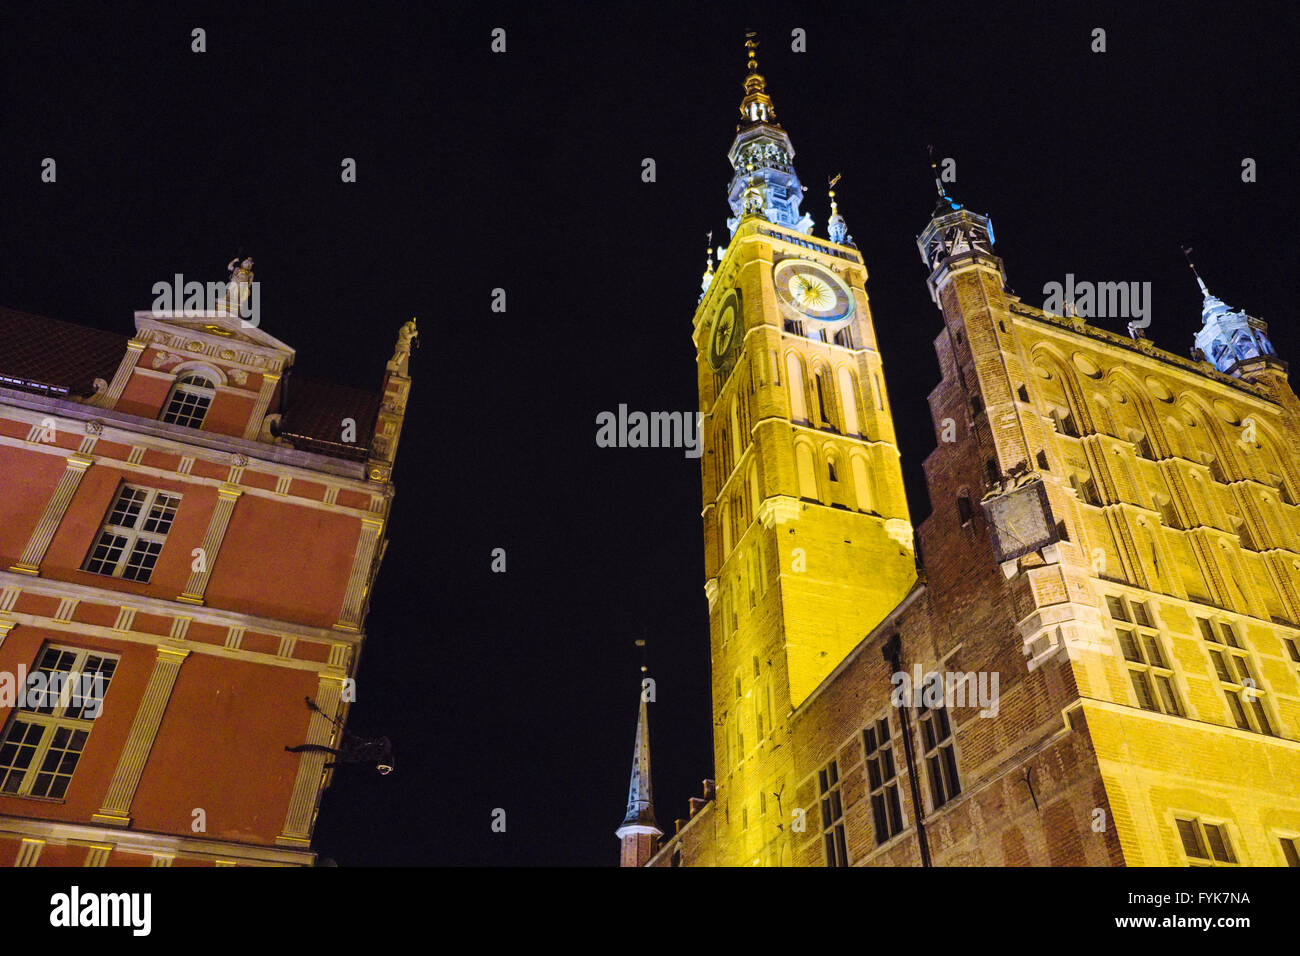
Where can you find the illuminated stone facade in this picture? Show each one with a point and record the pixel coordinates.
(1114, 536)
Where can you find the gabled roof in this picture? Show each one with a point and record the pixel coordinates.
(49, 356)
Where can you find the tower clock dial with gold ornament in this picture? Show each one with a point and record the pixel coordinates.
(726, 330)
(812, 291)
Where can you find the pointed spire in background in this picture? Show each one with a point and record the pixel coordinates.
(639, 830)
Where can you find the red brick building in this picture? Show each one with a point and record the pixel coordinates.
(188, 520)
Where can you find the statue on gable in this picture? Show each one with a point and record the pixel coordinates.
(406, 340)
(239, 284)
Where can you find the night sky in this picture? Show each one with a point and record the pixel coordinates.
(523, 171)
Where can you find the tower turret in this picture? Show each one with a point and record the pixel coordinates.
(1232, 341)
(764, 183)
(955, 239)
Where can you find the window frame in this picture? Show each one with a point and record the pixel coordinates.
(197, 384)
(941, 752)
(134, 534)
(1208, 855)
(52, 718)
(886, 797)
(1231, 665)
(1159, 676)
(830, 798)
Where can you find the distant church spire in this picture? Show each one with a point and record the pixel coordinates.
(764, 183)
(639, 833)
(1232, 341)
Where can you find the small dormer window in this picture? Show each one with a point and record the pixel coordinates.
(190, 398)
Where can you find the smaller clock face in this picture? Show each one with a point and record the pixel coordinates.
(812, 290)
(725, 327)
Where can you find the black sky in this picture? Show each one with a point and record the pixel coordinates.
(522, 171)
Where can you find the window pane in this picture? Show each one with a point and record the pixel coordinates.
(1116, 607)
(1191, 836)
(1261, 717)
(1238, 713)
(1152, 646)
(1221, 667)
(1218, 840)
(1140, 614)
(1168, 697)
(1129, 646)
(1207, 631)
(1229, 635)
(1142, 687)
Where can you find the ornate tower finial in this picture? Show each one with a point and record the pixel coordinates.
(1187, 254)
(708, 269)
(836, 227)
(757, 106)
(944, 198)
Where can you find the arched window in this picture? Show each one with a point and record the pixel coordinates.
(189, 401)
(849, 398)
(794, 385)
(807, 473)
(824, 403)
(862, 484)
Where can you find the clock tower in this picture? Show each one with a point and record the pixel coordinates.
(808, 541)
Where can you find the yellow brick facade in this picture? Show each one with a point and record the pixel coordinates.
(1173, 485)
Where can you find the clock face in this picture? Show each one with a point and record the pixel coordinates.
(812, 290)
(725, 328)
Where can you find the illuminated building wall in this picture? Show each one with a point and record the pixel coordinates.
(1113, 535)
(188, 518)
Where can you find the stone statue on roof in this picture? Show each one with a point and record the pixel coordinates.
(406, 340)
(240, 283)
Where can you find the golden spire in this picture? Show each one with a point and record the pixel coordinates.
(757, 106)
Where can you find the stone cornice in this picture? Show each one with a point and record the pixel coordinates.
(1144, 347)
(137, 430)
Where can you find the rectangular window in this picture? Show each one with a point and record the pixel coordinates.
(133, 532)
(1241, 687)
(844, 338)
(828, 785)
(1205, 844)
(1149, 668)
(47, 731)
(882, 780)
(940, 758)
